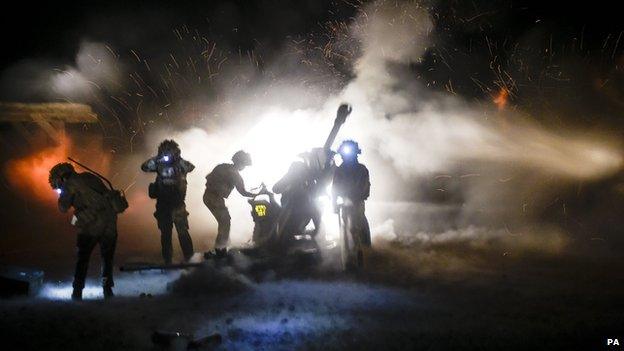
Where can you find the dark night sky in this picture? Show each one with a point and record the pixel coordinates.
(473, 37)
(54, 29)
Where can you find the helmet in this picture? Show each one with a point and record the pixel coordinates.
(59, 171)
(349, 149)
(242, 158)
(169, 146)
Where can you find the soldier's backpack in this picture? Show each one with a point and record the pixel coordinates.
(117, 199)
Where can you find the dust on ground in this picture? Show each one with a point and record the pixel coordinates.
(496, 302)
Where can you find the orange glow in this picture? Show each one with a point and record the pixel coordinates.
(140, 201)
(502, 98)
(30, 174)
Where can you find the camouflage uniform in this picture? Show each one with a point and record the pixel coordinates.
(96, 222)
(297, 188)
(219, 184)
(352, 182)
(170, 193)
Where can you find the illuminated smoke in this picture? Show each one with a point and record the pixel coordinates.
(407, 132)
(96, 68)
(432, 134)
(30, 174)
(400, 125)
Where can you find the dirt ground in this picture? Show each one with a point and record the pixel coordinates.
(515, 303)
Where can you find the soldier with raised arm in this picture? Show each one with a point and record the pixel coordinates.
(219, 184)
(169, 190)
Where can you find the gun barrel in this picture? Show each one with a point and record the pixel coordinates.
(343, 111)
(332, 136)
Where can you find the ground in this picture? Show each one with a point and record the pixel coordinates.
(544, 303)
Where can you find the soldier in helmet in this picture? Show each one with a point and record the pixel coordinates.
(219, 184)
(169, 190)
(94, 217)
(352, 183)
(300, 187)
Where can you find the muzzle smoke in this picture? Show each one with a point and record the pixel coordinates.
(491, 165)
(407, 134)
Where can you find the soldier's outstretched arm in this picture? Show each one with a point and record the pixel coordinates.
(240, 187)
(149, 165)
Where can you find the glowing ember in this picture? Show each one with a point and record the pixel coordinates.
(502, 98)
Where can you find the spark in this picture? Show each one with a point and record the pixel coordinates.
(502, 99)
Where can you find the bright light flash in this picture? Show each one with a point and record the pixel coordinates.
(276, 140)
(58, 191)
(166, 158)
(328, 216)
(64, 291)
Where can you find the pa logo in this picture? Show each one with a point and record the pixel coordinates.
(613, 342)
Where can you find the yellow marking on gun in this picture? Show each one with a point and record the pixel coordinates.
(260, 210)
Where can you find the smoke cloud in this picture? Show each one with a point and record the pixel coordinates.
(96, 67)
(408, 135)
(443, 169)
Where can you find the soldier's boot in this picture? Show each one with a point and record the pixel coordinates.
(108, 292)
(221, 253)
(76, 294)
(186, 244)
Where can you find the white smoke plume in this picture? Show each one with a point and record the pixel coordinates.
(96, 66)
(406, 133)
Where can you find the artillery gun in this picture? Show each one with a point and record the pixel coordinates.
(279, 235)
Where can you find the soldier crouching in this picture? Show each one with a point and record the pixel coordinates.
(94, 217)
